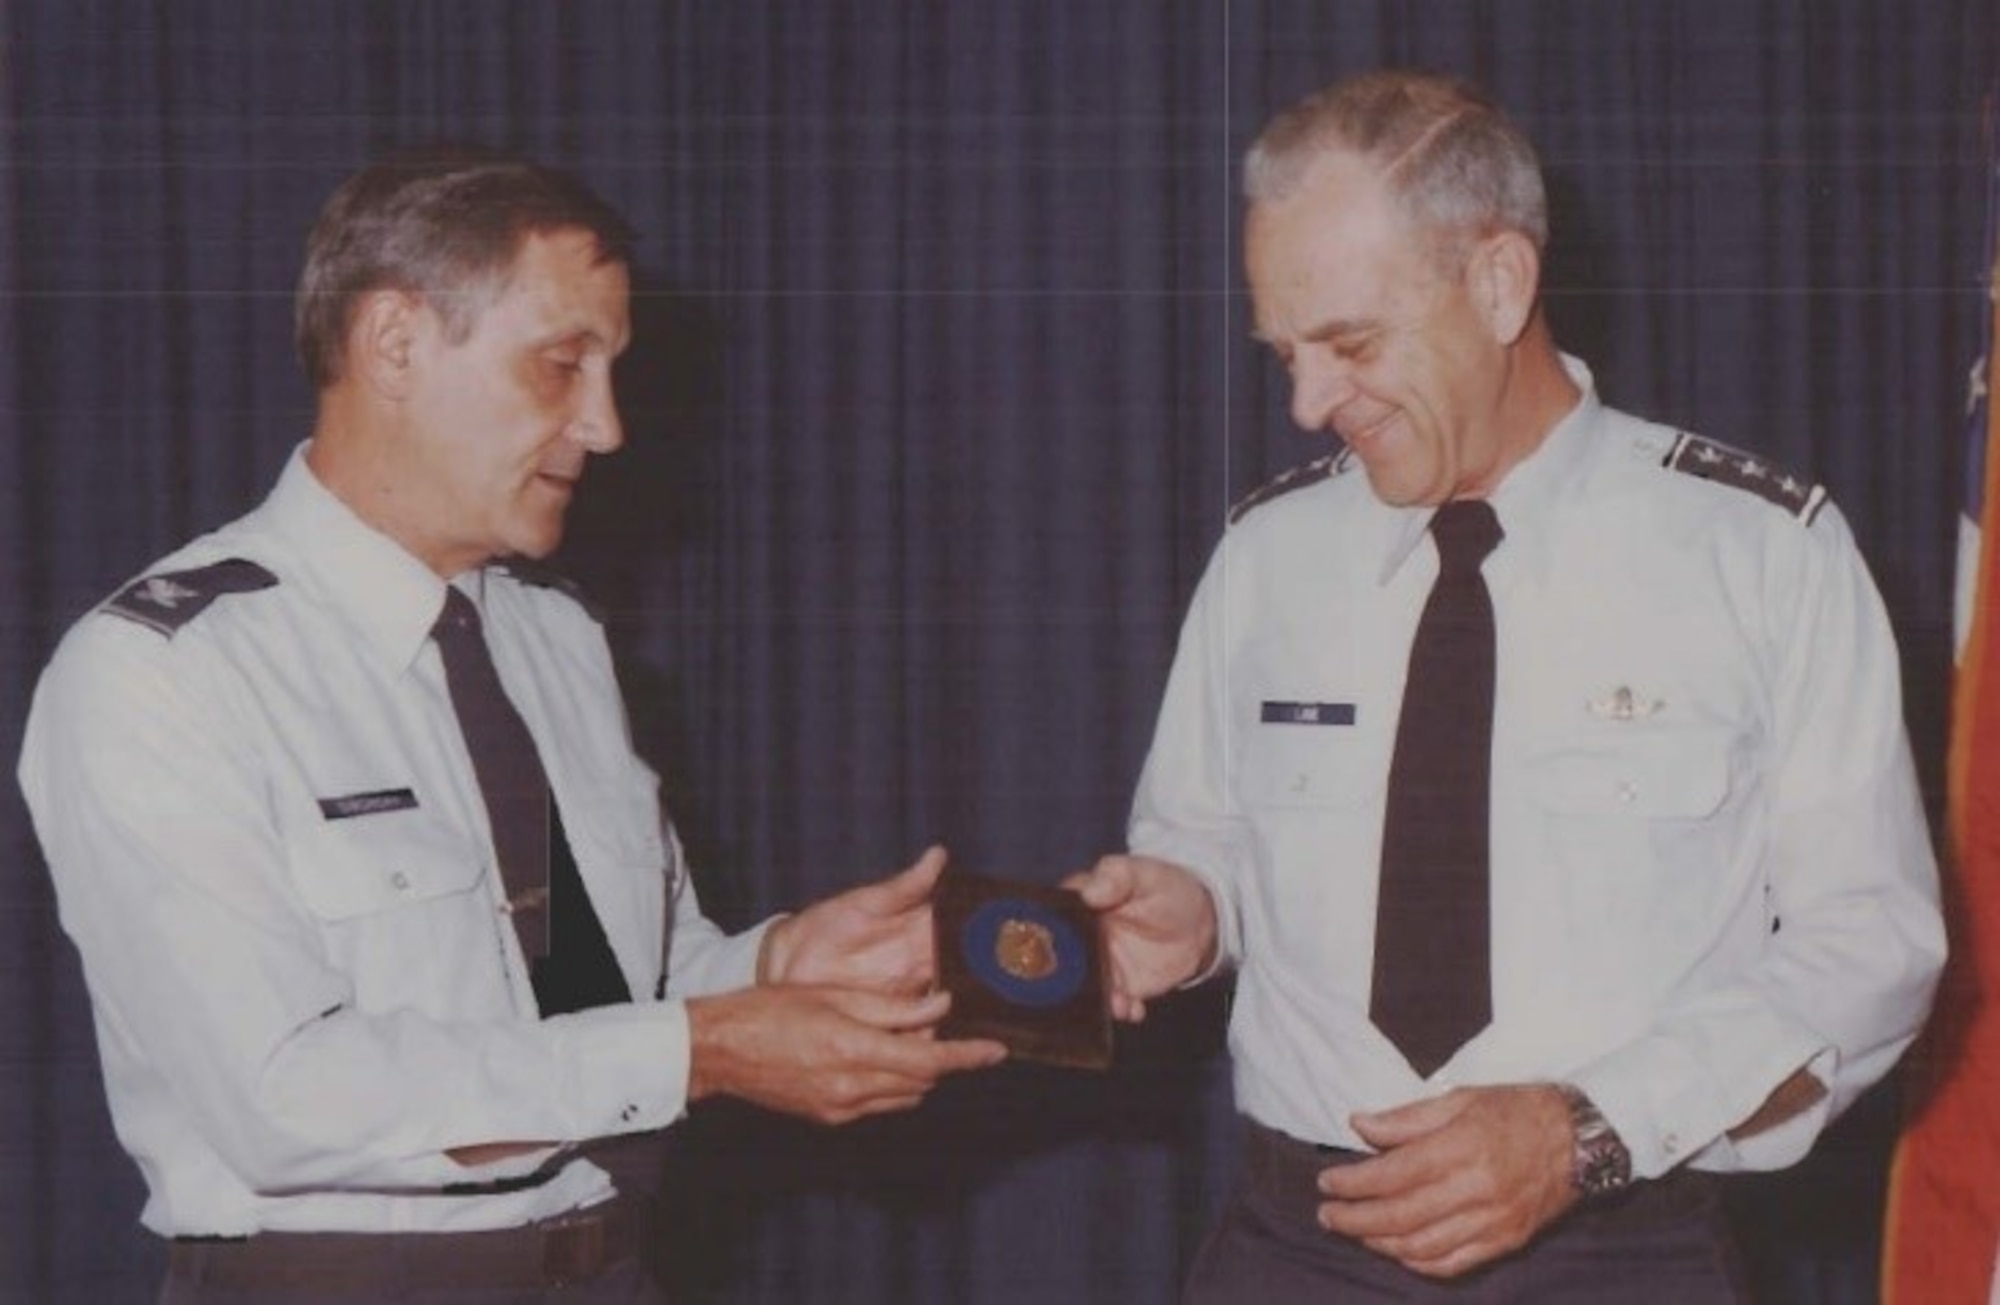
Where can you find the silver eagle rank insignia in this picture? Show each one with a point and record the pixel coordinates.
(166, 602)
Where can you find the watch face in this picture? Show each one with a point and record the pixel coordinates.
(1600, 1166)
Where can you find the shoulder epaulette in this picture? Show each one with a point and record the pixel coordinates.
(1703, 458)
(1306, 473)
(168, 601)
(542, 576)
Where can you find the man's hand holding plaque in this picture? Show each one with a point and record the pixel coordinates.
(1024, 964)
(1159, 925)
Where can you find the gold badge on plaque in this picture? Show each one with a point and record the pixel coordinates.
(1025, 949)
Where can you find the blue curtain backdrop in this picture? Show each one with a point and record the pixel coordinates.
(942, 386)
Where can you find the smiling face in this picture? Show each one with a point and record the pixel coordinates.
(1404, 359)
(496, 429)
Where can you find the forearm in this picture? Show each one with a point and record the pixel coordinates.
(1184, 810)
(703, 961)
(405, 1102)
(1746, 1075)
(220, 992)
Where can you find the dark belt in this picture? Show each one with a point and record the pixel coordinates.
(1285, 1172)
(556, 1252)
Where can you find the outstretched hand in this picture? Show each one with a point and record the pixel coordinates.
(1461, 1180)
(877, 936)
(1159, 927)
(831, 1055)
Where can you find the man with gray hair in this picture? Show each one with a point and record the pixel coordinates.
(1539, 771)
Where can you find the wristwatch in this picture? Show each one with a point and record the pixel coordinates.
(1599, 1163)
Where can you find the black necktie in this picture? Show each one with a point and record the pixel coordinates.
(1433, 981)
(569, 960)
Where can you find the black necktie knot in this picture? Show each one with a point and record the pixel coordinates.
(458, 618)
(1466, 531)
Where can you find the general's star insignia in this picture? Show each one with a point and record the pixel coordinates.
(1707, 460)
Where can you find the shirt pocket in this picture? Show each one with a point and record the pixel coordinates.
(403, 909)
(1310, 767)
(1313, 797)
(347, 869)
(1633, 775)
(620, 830)
(622, 855)
(1636, 839)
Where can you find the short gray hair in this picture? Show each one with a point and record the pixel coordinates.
(1452, 159)
(444, 222)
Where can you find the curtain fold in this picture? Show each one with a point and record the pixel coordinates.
(941, 387)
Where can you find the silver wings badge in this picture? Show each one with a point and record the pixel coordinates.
(1624, 703)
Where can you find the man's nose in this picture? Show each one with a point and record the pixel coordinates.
(597, 426)
(1321, 385)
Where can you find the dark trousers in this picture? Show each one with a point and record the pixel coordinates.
(1660, 1243)
(590, 1258)
(624, 1284)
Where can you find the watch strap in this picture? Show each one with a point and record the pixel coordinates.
(1600, 1164)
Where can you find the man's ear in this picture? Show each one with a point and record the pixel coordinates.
(384, 342)
(1505, 276)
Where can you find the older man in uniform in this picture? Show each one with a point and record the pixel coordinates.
(1540, 771)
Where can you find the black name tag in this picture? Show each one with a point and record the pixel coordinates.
(368, 804)
(1308, 713)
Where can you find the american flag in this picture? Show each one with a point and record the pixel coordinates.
(1942, 1232)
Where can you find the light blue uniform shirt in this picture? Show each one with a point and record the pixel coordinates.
(1710, 865)
(270, 848)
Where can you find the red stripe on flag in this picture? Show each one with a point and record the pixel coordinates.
(1943, 1218)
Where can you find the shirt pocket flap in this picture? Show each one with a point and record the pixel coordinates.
(616, 825)
(347, 869)
(1310, 766)
(1655, 774)
(597, 839)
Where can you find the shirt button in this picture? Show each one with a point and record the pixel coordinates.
(1671, 1144)
(628, 1114)
(401, 881)
(1628, 792)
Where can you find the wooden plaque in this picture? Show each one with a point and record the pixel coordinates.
(1024, 964)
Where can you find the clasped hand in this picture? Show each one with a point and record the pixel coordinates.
(1461, 1179)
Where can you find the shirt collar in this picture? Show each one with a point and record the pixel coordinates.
(376, 584)
(1521, 499)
